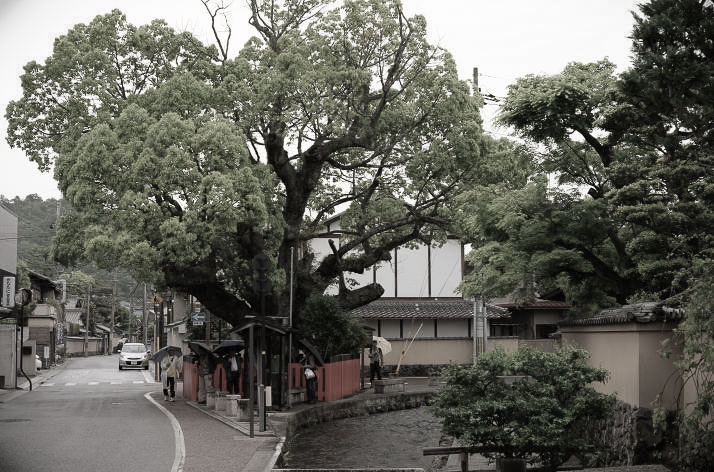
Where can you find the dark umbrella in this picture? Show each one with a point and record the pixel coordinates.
(201, 350)
(165, 351)
(313, 350)
(228, 346)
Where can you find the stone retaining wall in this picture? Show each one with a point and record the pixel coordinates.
(288, 425)
(627, 438)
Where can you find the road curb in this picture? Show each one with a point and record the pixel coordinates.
(229, 422)
(180, 451)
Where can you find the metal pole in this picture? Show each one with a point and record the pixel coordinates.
(290, 324)
(485, 327)
(22, 344)
(475, 334)
(261, 407)
(146, 321)
(114, 298)
(86, 328)
(261, 353)
(131, 311)
(251, 365)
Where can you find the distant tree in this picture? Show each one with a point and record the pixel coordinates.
(549, 220)
(36, 220)
(549, 408)
(332, 330)
(182, 163)
(619, 204)
(81, 286)
(669, 113)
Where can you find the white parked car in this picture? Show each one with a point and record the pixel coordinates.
(134, 356)
(38, 362)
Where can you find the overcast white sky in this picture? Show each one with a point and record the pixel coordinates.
(504, 39)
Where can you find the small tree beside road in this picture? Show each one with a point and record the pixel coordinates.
(539, 417)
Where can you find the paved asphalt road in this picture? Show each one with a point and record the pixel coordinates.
(88, 417)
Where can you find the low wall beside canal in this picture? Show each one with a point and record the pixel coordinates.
(288, 423)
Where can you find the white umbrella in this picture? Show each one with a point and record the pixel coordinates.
(383, 344)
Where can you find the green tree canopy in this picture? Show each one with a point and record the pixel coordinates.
(618, 204)
(184, 163)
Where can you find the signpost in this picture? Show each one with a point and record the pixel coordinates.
(8, 292)
(197, 319)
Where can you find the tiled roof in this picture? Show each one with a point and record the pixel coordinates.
(637, 313)
(73, 317)
(426, 309)
(536, 305)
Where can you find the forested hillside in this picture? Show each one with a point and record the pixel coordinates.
(36, 222)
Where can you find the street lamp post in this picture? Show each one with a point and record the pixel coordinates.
(86, 328)
(22, 298)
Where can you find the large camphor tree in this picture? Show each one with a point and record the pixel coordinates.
(184, 163)
(614, 200)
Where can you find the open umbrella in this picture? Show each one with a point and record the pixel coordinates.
(313, 350)
(383, 344)
(165, 351)
(229, 346)
(200, 349)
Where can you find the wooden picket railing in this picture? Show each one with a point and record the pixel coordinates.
(335, 380)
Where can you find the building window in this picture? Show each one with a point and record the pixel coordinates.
(502, 330)
(543, 331)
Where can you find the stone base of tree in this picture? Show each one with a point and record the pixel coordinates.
(388, 385)
(627, 437)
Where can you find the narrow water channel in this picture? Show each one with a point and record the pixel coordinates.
(393, 439)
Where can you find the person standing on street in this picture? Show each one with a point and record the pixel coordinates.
(375, 362)
(310, 370)
(206, 367)
(173, 369)
(234, 365)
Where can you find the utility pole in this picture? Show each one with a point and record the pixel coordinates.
(131, 311)
(86, 328)
(114, 302)
(485, 323)
(146, 321)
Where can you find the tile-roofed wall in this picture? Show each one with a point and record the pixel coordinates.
(639, 313)
(427, 309)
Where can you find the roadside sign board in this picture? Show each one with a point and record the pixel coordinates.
(197, 319)
(8, 292)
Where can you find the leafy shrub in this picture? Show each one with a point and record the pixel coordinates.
(538, 418)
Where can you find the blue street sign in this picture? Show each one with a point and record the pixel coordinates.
(198, 318)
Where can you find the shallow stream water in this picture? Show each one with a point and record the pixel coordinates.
(393, 439)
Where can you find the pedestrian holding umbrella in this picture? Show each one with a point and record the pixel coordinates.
(165, 351)
(383, 344)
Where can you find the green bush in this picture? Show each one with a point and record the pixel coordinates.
(546, 410)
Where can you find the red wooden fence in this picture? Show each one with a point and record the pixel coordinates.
(190, 381)
(334, 381)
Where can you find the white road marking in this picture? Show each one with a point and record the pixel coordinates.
(70, 384)
(47, 385)
(93, 383)
(148, 377)
(138, 381)
(180, 454)
(114, 382)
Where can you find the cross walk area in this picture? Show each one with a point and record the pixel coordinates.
(86, 404)
(98, 377)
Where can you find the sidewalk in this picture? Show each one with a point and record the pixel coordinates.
(228, 440)
(23, 385)
(216, 445)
